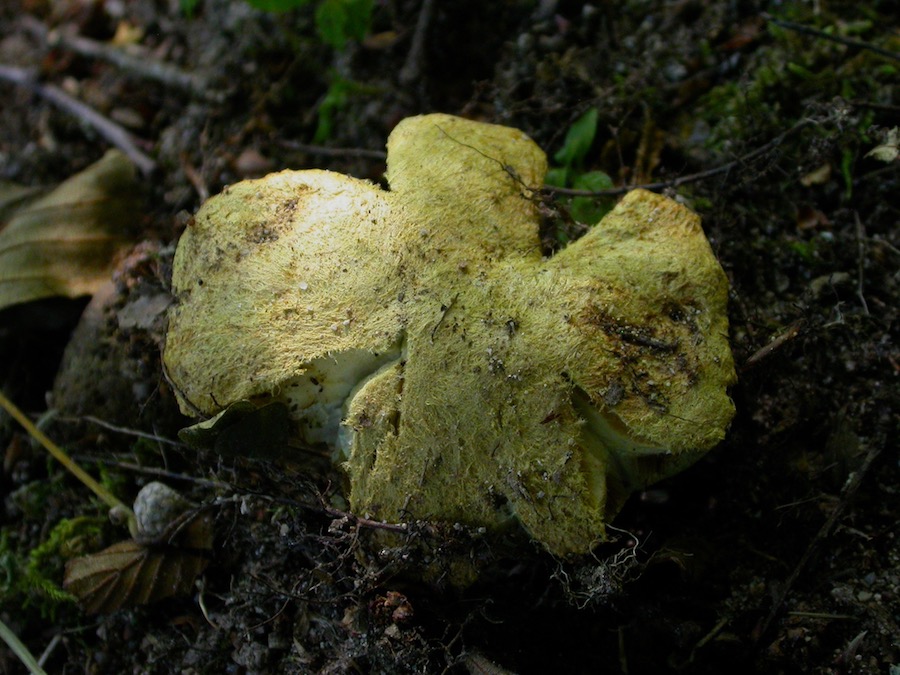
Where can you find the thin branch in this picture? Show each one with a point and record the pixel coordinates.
(164, 473)
(775, 344)
(815, 32)
(49, 649)
(688, 178)
(365, 522)
(111, 131)
(412, 68)
(320, 508)
(882, 107)
(122, 430)
(137, 65)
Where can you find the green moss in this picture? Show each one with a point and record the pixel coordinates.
(28, 578)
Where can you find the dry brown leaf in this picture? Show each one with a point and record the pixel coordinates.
(817, 176)
(146, 569)
(64, 242)
(809, 218)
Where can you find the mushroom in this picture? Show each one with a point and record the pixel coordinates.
(458, 374)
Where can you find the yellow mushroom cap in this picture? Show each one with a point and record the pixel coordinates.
(419, 331)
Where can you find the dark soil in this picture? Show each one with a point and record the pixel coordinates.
(776, 553)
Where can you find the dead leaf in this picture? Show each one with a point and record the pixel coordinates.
(817, 176)
(149, 568)
(743, 35)
(14, 197)
(63, 244)
(127, 34)
(382, 41)
(889, 150)
(809, 218)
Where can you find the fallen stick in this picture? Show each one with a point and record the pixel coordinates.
(130, 63)
(108, 129)
(687, 178)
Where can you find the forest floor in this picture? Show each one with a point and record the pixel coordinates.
(778, 552)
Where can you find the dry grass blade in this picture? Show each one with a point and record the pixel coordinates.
(60, 456)
(20, 650)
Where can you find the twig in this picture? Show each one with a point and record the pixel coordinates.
(140, 66)
(122, 430)
(688, 178)
(334, 152)
(321, 508)
(49, 649)
(111, 131)
(850, 488)
(195, 177)
(882, 107)
(164, 473)
(705, 640)
(412, 68)
(776, 343)
(820, 615)
(364, 522)
(815, 32)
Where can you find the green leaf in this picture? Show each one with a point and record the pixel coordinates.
(578, 139)
(593, 180)
(799, 71)
(589, 210)
(188, 7)
(338, 21)
(847, 172)
(804, 249)
(335, 98)
(277, 5)
(557, 177)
